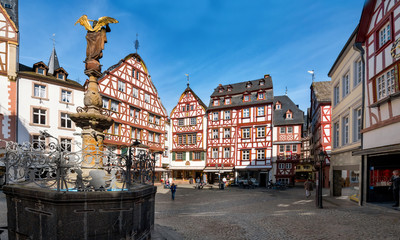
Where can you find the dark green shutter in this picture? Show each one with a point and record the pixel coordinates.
(202, 156)
(124, 151)
(190, 156)
(184, 156)
(173, 156)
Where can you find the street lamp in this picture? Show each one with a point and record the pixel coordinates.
(321, 159)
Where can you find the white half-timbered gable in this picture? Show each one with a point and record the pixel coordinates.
(135, 106)
(239, 125)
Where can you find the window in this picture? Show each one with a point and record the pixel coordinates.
(137, 74)
(151, 137)
(193, 121)
(114, 106)
(289, 115)
(246, 133)
(121, 86)
(227, 152)
(260, 111)
(294, 148)
(215, 103)
(215, 133)
(229, 88)
(40, 71)
(246, 98)
(246, 155)
(65, 121)
(260, 96)
(336, 134)
(132, 111)
(261, 154)
(157, 120)
(215, 153)
(179, 156)
(288, 166)
(191, 107)
(137, 114)
(39, 91)
(60, 76)
(66, 145)
(281, 166)
(38, 142)
(215, 116)
(282, 130)
(281, 148)
(66, 96)
(336, 95)
(246, 113)
(290, 130)
(357, 124)
(346, 85)
(278, 106)
(187, 107)
(157, 138)
(135, 92)
(357, 72)
(227, 133)
(181, 122)
(39, 116)
(105, 103)
(385, 84)
(194, 139)
(287, 148)
(133, 73)
(197, 155)
(147, 98)
(227, 114)
(384, 35)
(260, 131)
(116, 129)
(345, 130)
(151, 118)
(227, 101)
(180, 139)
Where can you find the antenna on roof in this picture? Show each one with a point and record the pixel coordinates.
(312, 74)
(54, 40)
(286, 91)
(187, 77)
(137, 42)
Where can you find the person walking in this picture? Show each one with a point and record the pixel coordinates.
(395, 185)
(198, 182)
(173, 190)
(308, 187)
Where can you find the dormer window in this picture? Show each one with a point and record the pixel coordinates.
(60, 76)
(229, 88)
(278, 105)
(40, 71)
(260, 96)
(248, 85)
(215, 103)
(261, 82)
(220, 90)
(289, 114)
(246, 98)
(227, 101)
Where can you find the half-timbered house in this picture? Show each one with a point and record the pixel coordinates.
(129, 94)
(288, 121)
(239, 132)
(188, 127)
(320, 116)
(378, 40)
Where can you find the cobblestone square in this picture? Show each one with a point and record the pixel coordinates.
(236, 213)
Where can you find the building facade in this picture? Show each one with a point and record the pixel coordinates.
(346, 92)
(320, 116)
(130, 96)
(239, 132)
(379, 34)
(46, 99)
(189, 131)
(288, 121)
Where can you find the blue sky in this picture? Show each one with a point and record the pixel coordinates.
(214, 41)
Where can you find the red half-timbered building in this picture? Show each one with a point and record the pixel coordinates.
(188, 126)
(320, 115)
(288, 121)
(239, 128)
(132, 99)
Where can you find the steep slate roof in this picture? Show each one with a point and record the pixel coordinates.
(280, 114)
(195, 95)
(237, 91)
(53, 62)
(322, 91)
(29, 72)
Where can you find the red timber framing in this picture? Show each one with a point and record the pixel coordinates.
(188, 126)
(239, 128)
(131, 97)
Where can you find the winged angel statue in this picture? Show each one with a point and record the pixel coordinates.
(96, 38)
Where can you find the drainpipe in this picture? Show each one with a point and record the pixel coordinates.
(358, 47)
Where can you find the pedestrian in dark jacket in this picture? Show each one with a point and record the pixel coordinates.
(395, 185)
(308, 187)
(173, 190)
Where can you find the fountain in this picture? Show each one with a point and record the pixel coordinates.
(90, 194)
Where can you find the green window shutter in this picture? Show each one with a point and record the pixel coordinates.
(173, 156)
(202, 156)
(190, 155)
(124, 151)
(184, 156)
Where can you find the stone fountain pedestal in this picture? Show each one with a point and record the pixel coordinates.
(37, 213)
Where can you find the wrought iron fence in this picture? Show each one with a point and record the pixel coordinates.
(92, 168)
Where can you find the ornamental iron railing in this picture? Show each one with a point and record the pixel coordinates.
(92, 168)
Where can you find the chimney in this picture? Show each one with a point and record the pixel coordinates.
(266, 75)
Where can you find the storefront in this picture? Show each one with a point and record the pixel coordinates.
(186, 174)
(262, 176)
(214, 175)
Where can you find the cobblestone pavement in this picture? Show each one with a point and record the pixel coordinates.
(236, 213)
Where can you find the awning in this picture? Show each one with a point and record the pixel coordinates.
(186, 168)
(386, 150)
(222, 170)
(161, 170)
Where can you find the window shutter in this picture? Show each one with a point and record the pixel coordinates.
(184, 156)
(202, 155)
(190, 155)
(173, 156)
